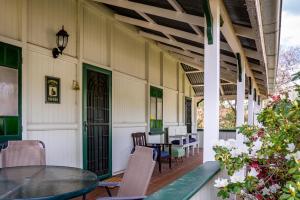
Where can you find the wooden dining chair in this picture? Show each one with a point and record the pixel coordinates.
(139, 139)
(23, 153)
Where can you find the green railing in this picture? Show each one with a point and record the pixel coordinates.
(191, 184)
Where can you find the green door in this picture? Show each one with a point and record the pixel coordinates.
(10, 92)
(97, 120)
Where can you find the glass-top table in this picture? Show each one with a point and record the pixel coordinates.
(45, 182)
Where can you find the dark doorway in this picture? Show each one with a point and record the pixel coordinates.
(97, 120)
(188, 114)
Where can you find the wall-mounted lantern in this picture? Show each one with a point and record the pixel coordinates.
(61, 42)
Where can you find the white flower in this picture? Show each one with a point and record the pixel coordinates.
(289, 156)
(274, 188)
(237, 178)
(265, 191)
(297, 155)
(231, 143)
(291, 147)
(291, 189)
(253, 172)
(220, 183)
(221, 143)
(236, 152)
(257, 145)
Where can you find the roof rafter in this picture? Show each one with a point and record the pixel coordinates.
(175, 15)
(233, 41)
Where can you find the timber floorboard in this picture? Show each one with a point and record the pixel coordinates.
(159, 180)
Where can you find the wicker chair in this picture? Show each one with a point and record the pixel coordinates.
(23, 153)
(136, 178)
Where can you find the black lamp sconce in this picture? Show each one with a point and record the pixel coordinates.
(61, 42)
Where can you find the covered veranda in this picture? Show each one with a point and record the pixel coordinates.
(184, 51)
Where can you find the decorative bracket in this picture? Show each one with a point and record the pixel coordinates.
(209, 21)
(250, 85)
(239, 65)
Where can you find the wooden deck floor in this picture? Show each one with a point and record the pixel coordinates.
(160, 180)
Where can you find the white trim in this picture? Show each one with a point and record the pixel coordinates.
(129, 124)
(49, 127)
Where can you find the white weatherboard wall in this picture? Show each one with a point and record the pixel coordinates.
(96, 39)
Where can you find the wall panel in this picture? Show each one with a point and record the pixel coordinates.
(170, 106)
(129, 99)
(95, 37)
(170, 72)
(10, 15)
(60, 145)
(39, 66)
(45, 19)
(154, 65)
(128, 52)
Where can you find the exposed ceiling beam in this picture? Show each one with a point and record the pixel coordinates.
(178, 15)
(202, 85)
(190, 54)
(160, 28)
(179, 9)
(244, 32)
(170, 14)
(230, 35)
(171, 42)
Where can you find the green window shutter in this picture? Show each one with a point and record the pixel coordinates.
(2, 56)
(12, 57)
(10, 126)
(156, 124)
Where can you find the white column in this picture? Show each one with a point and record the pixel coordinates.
(250, 107)
(212, 85)
(240, 97)
(256, 111)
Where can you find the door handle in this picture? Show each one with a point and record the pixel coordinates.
(85, 125)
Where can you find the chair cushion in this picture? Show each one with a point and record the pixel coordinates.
(177, 142)
(178, 152)
(163, 154)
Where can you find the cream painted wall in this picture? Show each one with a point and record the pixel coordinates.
(97, 39)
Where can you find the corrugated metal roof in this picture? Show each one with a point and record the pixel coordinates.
(193, 7)
(238, 13)
(172, 23)
(157, 3)
(187, 68)
(152, 31)
(198, 90)
(229, 89)
(254, 61)
(196, 78)
(126, 12)
(237, 9)
(248, 43)
(190, 42)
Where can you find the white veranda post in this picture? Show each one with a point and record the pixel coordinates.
(240, 97)
(212, 84)
(256, 111)
(250, 106)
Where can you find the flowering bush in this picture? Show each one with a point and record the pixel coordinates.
(267, 165)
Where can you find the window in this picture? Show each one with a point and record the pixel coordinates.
(156, 109)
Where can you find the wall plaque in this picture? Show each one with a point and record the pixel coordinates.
(52, 89)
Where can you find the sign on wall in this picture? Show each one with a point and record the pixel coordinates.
(52, 88)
